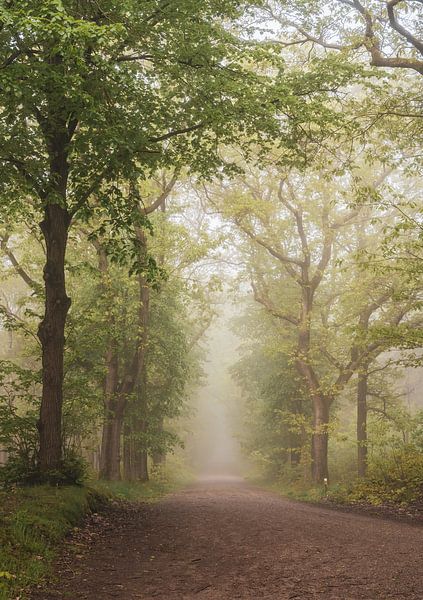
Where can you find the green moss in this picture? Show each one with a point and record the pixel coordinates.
(33, 521)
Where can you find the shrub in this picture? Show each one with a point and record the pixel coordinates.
(396, 477)
(19, 402)
(72, 471)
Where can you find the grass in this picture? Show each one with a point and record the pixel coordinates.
(150, 491)
(35, 520)
(295, 491)
(364, 492)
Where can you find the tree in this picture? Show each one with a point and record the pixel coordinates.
(276, 432)
(295, 226)
(122, 380)
(388, 31)
(93, 93)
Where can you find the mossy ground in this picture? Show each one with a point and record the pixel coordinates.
(35, 520)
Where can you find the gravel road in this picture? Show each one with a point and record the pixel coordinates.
(221, 540)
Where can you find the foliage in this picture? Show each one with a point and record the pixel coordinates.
(385, 30)
(164, 480)
(19, 435)
(277, 420)
(395, 469)
(33, 522)
(309, 163)
(18, 422)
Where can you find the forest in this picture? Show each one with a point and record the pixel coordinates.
(211, 264)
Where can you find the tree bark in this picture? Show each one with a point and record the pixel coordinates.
(112, 426)
(135, 460)
(110, 449)
(140, 460)
(159, 458)
(362, 421)
(135, 453)
(321, 404)
(127, 453)
(320, 438)
(139, 468)
(54, 227)
(51, 332)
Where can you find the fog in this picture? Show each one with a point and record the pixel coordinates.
(214, 446)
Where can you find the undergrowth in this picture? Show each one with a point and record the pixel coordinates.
(35, 520)
(149, 491)
(375, 490)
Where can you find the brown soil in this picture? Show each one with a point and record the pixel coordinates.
(221, 541)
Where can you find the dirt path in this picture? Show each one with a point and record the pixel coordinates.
(221, 541)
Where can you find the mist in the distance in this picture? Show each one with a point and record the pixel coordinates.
(214, 447)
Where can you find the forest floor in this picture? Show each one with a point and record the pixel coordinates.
(221, 540)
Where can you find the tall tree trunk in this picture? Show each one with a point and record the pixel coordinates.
(111, 449)
(135, 460)
(320, 438)
(321, 404)
(118, 393)
(138, 424)
(113, 420)
(139, 467)
(51, 333)
(128, 451)
(58, 128)
(159, 458)
(114, 408)
(362, 384)
(140, 461)
(110, 456)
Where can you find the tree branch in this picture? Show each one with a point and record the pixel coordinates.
(175, 132)
(270, 307)
(34, 285)
(390, 7)
(163, 196)
(298, 218)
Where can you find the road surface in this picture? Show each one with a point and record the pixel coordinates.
(227, 540)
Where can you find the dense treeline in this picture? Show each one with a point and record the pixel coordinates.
(138, 138)
(307, 239)
(111, 312)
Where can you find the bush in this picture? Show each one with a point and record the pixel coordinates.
(18, 470)
(395, 477)
(398, 475)
(19, 407)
